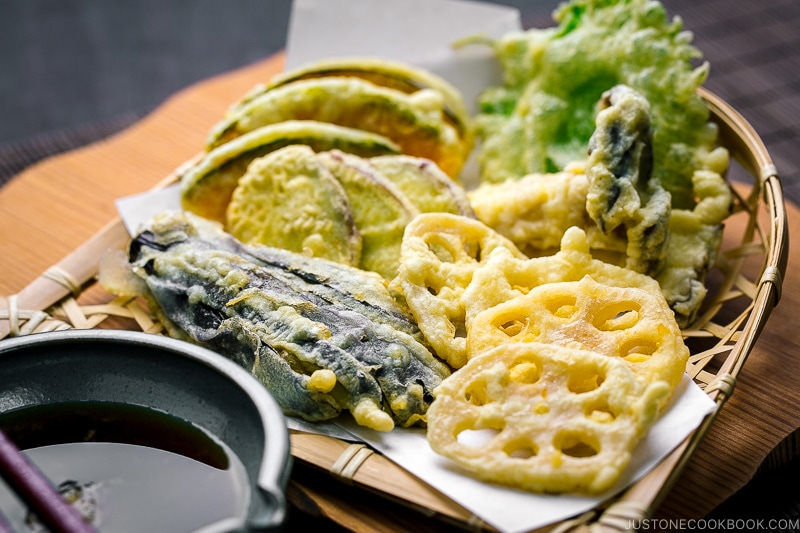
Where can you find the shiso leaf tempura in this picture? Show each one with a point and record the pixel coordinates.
(541, 119)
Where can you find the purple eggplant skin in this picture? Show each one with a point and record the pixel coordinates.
(285, 322)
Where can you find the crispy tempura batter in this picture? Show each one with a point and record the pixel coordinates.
(633, 324)
(543, 418)
(440, 254)
(568, 361)
(623, 195)
(319, 346)
(542, 117)
(416, 121)
(626, 214)
(453, 268)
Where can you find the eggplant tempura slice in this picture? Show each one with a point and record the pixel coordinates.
(363, 292)
(623, 194)
(294, 341)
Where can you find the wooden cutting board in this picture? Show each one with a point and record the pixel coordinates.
(57, 205)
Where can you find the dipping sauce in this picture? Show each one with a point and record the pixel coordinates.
(131, 468)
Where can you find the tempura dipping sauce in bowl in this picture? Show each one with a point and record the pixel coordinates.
(143, 433)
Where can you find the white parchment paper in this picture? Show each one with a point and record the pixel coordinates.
(419, 32)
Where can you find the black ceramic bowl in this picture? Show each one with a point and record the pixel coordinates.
(108, 368)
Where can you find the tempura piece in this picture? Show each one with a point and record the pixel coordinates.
(415, 122)
(535, 211)
(543, 418)
(626, 214)
(694, 242)
(380, 210)
(440, 253)
(207, 184)
(294, 341)
(453, 268)
(395, 75)
(425, 184)
(288, 199)
(633, 324)
(623, 195)
(541, 119)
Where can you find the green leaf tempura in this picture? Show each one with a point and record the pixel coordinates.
(543, 116)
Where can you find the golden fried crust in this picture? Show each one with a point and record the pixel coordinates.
(288, 199)
(207, 185)
(623, 195)
(384, 73)
(567, 362)
(543, 418)
(415, 122)
(439, 255)
(632, 324)
(454, 268)
(536, 210)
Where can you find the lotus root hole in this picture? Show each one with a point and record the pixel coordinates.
(513, 326)
(578, 446)
(583, 381)
(616, 316)
(459, 328)
(473, 250)
(520, 448)
(476, 393)
(524, 372)
(639, 350)
(434, 286)
(441, 250)
(562, 306)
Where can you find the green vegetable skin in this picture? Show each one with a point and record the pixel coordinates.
(544, 115)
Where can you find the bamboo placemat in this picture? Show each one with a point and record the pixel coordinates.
(17, 156)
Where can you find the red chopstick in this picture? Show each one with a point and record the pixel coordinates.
(37, 492)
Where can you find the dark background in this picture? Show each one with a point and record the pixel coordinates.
(75, 71)
(72, 71)
(68, 63)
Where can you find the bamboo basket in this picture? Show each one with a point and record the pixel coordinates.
(744, 287)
